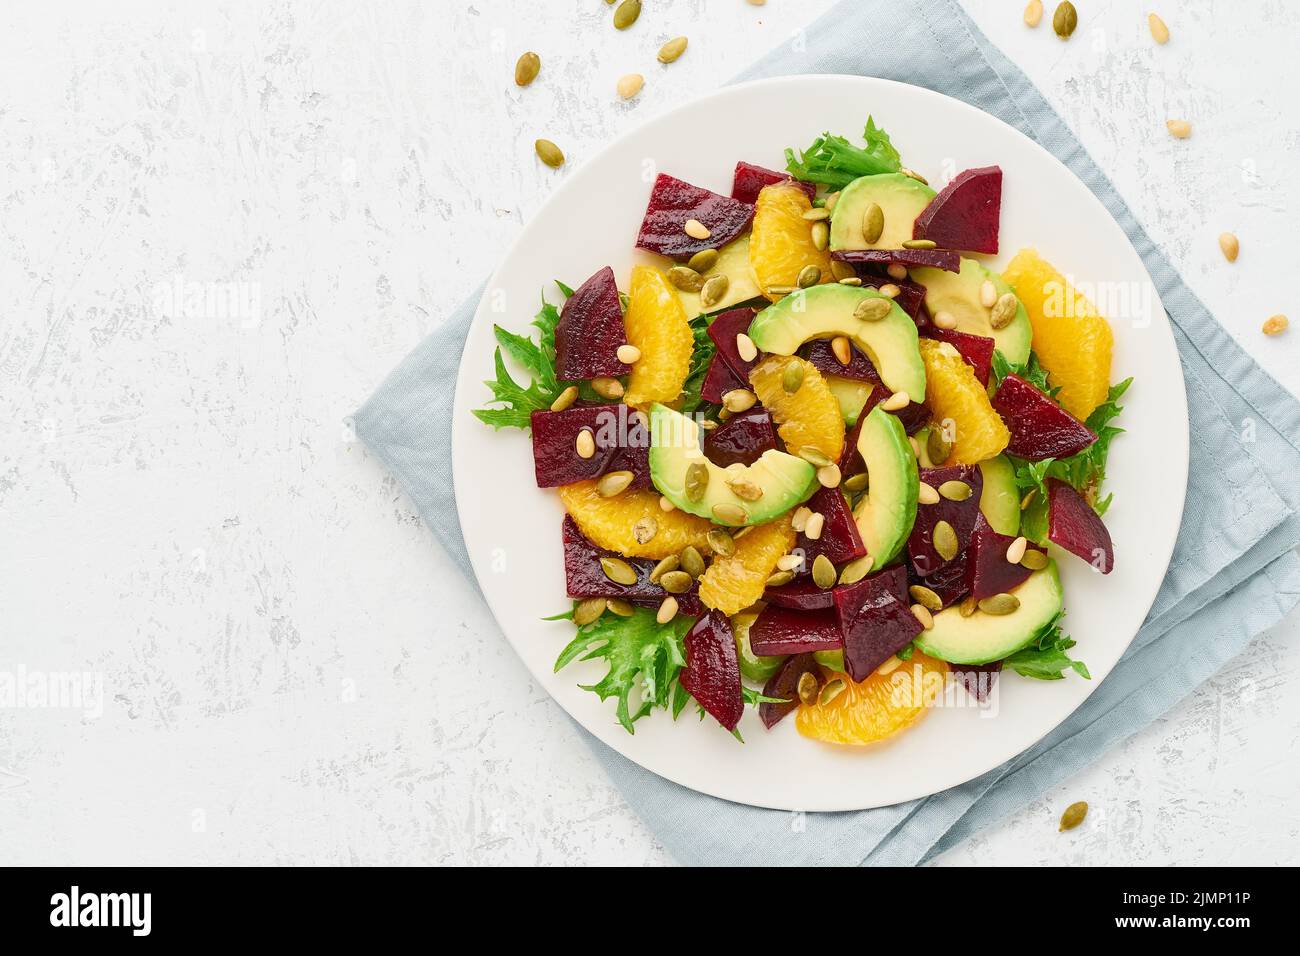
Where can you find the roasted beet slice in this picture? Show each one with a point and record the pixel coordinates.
(781, 630)
(876, 620)
(800, 594)
(672, 202)
(910, 298)
(976, 350)
(839, 540)
(622, 444)
(1074, 525)
(1039, 427)
(750, 179)
(964, 215)
(949, 582)
(712, 672)
(742, 439)
(821, 356)
(944, 259)
(590, 331)
(851, 462)
(723, 331)
(988, 571)
(960, 514)
(584, 577)
(978, 679)
(784, 685)
(719, 380)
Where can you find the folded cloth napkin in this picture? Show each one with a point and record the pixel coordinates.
(1234, 570)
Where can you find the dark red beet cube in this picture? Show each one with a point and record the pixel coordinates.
(978, 679)
(988, 572)
(976, 350)
(712, 671)
(719, 380)
(944, 259)
(960, 514)
(1039, 427)
(1074, 525)
(801, 594)
(741, 439)
(750, 179)
(672, 202)
(590, 331)
(622, 444)
(784, 686)
(723, 331)
(585, 578)
(781, 630)
(821, 356)
(965, 213)
(876, 620)
(839, 540)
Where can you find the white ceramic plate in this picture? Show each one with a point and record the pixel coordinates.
(512, 528)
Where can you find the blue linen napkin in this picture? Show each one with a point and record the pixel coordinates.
(1234, 571)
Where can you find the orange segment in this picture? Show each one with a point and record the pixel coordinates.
(780, 244)
(608, 521)
(808, 416)
(732, 584)
(656, 324)
(1071, 338)
(876, 708)
(960, 405)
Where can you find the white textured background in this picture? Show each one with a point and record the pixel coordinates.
(292, 670)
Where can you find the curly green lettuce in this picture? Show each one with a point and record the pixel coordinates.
(834, 162)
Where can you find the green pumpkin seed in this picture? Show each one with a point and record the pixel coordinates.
(814, 456)
(925, 597)
(808, 687)
(1034, 560)
(745, 489)
(832, 690)
(955, 490)
(919, 244)
(1000, 604)
(671, 50)
(614, 483)
(873, 309)
(817, 213)
(968, 606)
(1064, 20)
(704, 260)
(873, 223)
(549, 153)
(842, 270)
(697, 481)
(692, 562)
(809, 276)
(670, 563)
(1073, 815)
(780, 578)
(857, 483)
(779, 289)
(855, 571)
(713, 290)
(721, 542)
(823, 572)
(676, 582)
(626, 14)
(526, 68)
(793, 376)
(728, 513)
(645, 529)
(618, 570)
(686, 278)
(944, 539)
(851, 281)
(1004, 310)
(620, 607)
(937, 447)
(588, 611)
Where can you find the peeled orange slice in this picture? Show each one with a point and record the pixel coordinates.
(959, 405)
(656, 324)
(732, 584)
(608, 522)
(808, 416)
(780, 244)
(879, 707)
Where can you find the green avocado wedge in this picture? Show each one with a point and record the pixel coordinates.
(900, 198)
(825, 311)
(1000, 498)
(851, 394)
(958, 293)
(983, 638)
(777, 481)
(887, 511)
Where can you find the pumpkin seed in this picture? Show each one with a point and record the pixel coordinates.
(817, 213)
(896, 402)
(816, 524)
(793, 376)
(745, 347)
(728, 513)
(670, 563)
(1033, 13)
(945, 320)
(715, 287)
(999, 604)
(808, 687)
(645, 529)
(925, 494)
(697, 480)
(913, 174)
(629, 85)
(851, 281)
(618, 570)
(565, 399)
(937, 447)
(919, 244)
(1033, 560)
(549, 153)
(1073, 815)
(721, 543)
(613, 483)
(1230, 246)
(1016, 550)
(696, 229)
(585, 443)
(778, 290)
(821, 235)
(1159, 29)
(686, 278)
(809, 276)
(676, 582)
(692, 562)
(1275, 324)
(968, 606)
(667, 610)
(703, 260)
(814, 456)
(526, 68)
(831, 200)
(626, 14)
(855, 571)
(896, 270)
(1028, 499)
(1178, 128)
(890, 291)
(925, 597)
(873, 309)
(780, 578)
(873, 223)
(1065, 19)
(944, 539)
(833, 689)
(955, 490)
(857, 483)
(620, 607)
(671, 50)
(829, 476)
(739, 400)
(842, 270)
(588, 611)
(823, 572)
(745, 489)
(923, 615)
(1004, 310)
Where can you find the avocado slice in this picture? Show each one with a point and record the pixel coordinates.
(958, 293)
(825, 311)
(1000, 498)
(742, 285)
(676, 443)
(984, 638)
(887, 511)
(901, 199)
(852, 395)
(755, 667)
